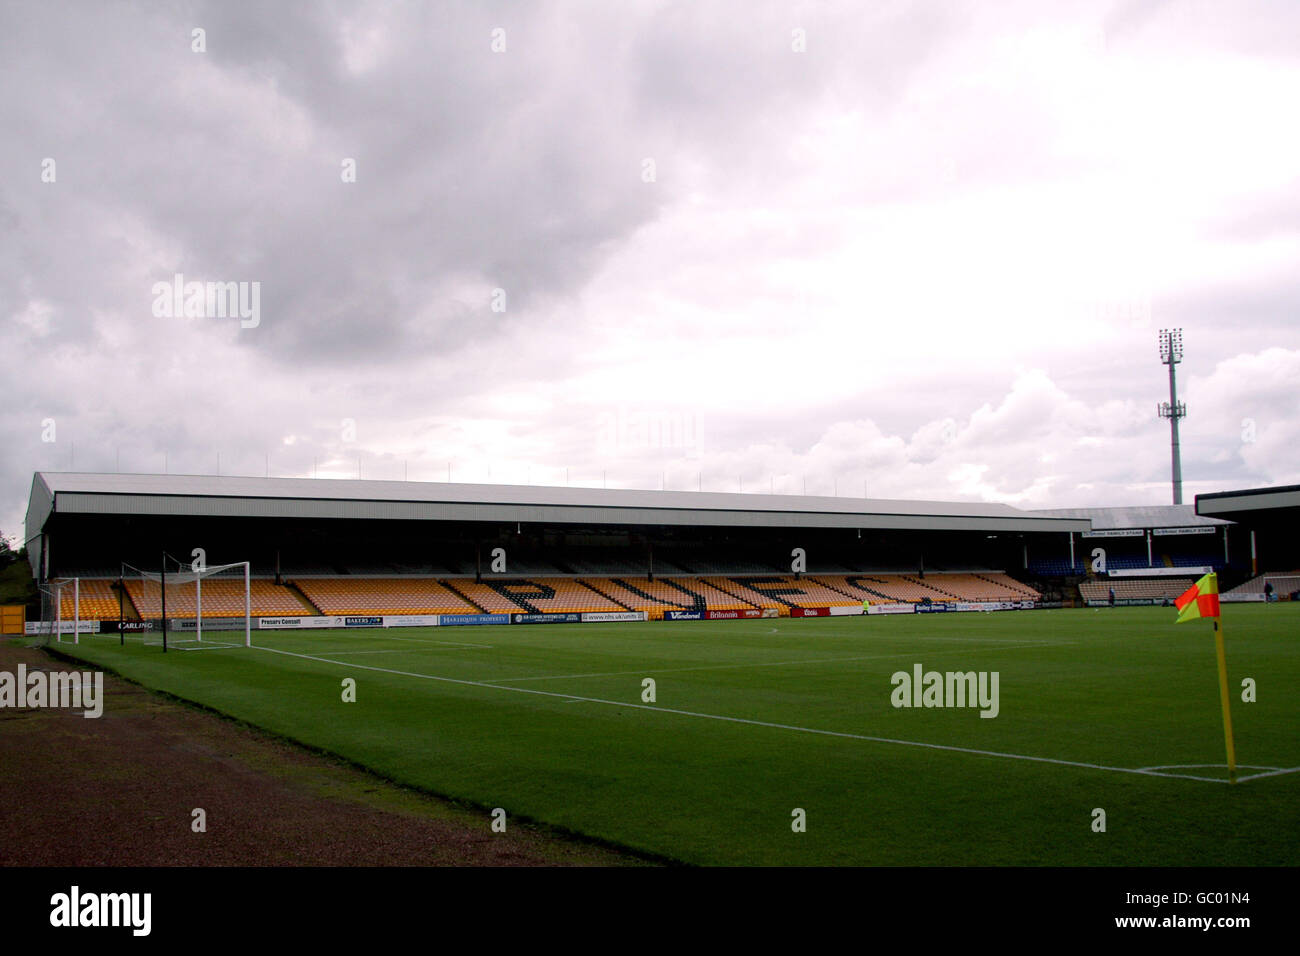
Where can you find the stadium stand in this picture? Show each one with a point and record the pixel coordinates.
(533, 596)
(394, 595)
(420, 547)
(99, 600)
(719, 593)
(678, 593)
(904, 588)
(642, 594)
(980, 587)
(787, 592)
(221, 598)
(1157, 589)
(382, 596)
(985, 587)
(554, 596)
(1283, 585)
(1055, 567)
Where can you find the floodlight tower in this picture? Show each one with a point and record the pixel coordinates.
(1171, 353)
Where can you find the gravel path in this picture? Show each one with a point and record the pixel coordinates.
(120, 790)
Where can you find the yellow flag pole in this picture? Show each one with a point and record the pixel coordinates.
(1223, 699)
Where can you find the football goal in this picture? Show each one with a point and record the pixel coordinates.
(190, 608)
(60, 610)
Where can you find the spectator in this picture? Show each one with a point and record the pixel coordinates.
(1110, 596)
(1268, 591)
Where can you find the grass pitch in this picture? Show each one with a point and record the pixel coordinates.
(1113, 709)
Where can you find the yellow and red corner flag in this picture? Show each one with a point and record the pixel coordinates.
(1200, 600)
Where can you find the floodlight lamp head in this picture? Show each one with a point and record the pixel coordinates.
(1171, 346)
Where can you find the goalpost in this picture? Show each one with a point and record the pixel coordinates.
(52, 621)
(174, 600)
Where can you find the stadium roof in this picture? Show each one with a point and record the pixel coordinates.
(1143, 517)
(1253, 505)
(229, 496)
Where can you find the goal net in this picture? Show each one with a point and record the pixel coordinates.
(60, 610)
(188, 608)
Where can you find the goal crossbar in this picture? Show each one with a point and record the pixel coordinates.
(165, 579)
(52, 620)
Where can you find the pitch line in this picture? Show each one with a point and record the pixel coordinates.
(574, 698)
(1270, 771)
(714, 667)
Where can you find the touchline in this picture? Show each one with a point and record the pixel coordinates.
(71, 689)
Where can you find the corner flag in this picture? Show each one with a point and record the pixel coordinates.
(1200, 600)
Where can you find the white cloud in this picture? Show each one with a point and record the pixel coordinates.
(927, 258)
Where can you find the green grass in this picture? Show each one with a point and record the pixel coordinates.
(1118, 688)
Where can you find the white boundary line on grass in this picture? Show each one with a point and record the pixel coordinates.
(1271, 771)
(569, 698)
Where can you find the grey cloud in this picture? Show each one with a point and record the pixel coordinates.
(522, 171)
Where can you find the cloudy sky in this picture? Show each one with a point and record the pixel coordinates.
(907, 249)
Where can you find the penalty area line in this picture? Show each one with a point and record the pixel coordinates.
(574, 698)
